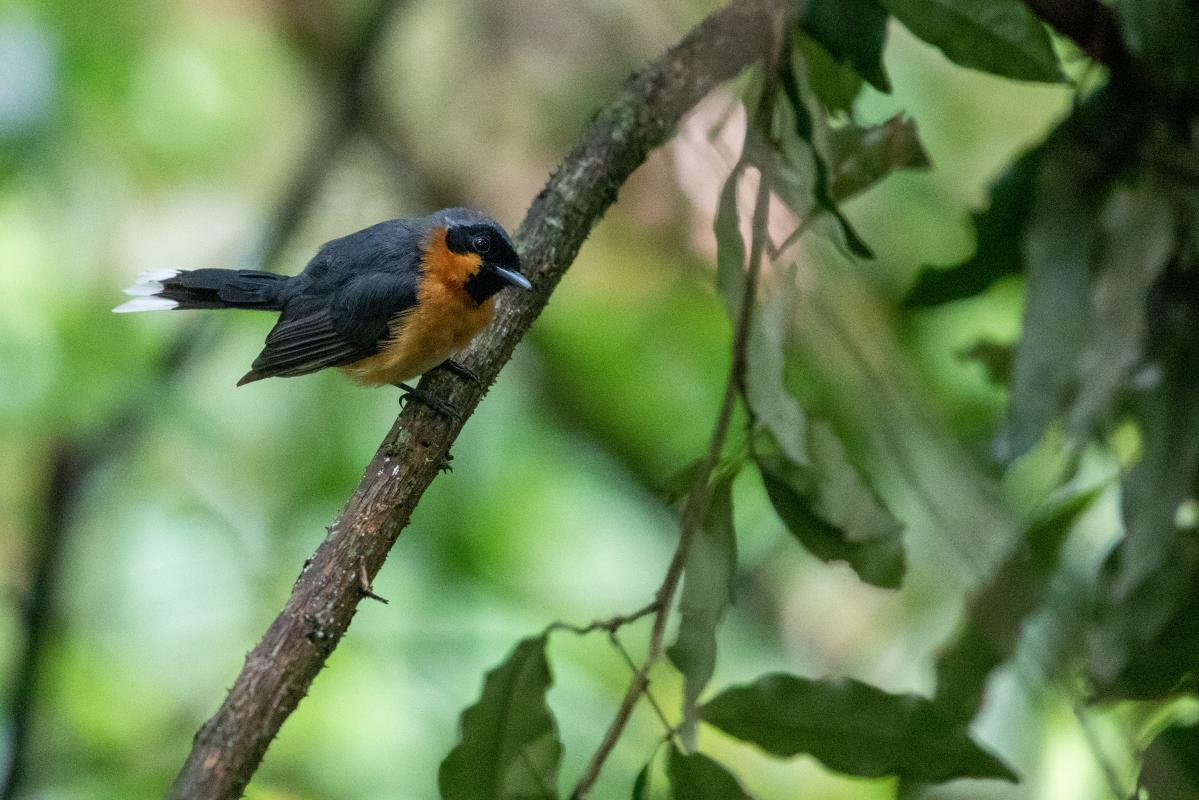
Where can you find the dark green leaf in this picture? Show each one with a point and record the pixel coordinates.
(832, 511)
(1147, 646)
(853, 728)
(730, 247)
(805, 127)
(773, 406)
(853, 32)
(834, 83)
(707, 592)
(694, 776)
(995, 616)
(1171, 764)
(995, 357)
(641, 783)
(509, 747)
(1163, 38)
(1137, 236)
(1000, 232)
(863, 156)
(1061, 240)
(999, 36)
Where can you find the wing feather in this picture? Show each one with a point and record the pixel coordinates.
(320, 332)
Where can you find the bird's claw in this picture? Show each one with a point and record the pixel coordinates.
(428, 401)
(461, 370)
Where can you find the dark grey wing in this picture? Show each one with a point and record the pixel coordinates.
(318, 332)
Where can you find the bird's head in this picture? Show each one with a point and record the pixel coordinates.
(476, 236)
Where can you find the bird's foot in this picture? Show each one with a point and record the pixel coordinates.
(427, 400)
(461, 370)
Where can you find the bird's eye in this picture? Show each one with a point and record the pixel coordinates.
(481, 243)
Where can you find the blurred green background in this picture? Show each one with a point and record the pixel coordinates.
(147, 134)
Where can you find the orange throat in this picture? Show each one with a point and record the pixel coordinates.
(441, 323)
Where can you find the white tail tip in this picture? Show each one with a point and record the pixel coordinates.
(157, 275)
(146, 304)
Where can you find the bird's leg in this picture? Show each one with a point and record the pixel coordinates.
(423, 397)
(461, 370)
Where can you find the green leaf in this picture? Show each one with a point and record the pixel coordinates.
(835, 84)
(832, 511)
(772, 405)
(509, 747)
(793, 82)
(1147, 645)
(995, 616)
(1163, 39)
(694, 776)
(853, 728)
(1171, 764)
(1136, 238)
(730, 247)
(863, 156)
(1000, 232)
(852, 32)
(999, 36)
(641, 782)
(707, 592)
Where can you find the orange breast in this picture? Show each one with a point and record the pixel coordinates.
(444, 319)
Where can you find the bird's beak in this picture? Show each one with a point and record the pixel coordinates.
(514, 278)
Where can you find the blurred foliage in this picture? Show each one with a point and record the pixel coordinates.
(969, 551)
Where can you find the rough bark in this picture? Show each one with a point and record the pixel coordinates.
(279, 671)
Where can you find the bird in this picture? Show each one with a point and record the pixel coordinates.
(383, 305)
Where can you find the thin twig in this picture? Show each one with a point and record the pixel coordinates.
(701, 492)
(671, 730)
(610, 624)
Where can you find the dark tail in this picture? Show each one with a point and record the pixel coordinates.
(206, 288)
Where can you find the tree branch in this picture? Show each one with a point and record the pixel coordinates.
(279, 671)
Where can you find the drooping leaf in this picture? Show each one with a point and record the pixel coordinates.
(730, 248)
(853, 728)
(1171, 764)
(694, 776)
(853, 32)
(1136, 237)
(1063, 243)
(509, 744)
(1146, 644)
(995, 616)
(1000, 232)
(995, 357)
(999, 36)
(1163, 38)
(835, 84)
(793, 79)
(863, 156)
(832, 511)
(772, 405)
(707, 592)
(1060, 243)
(641, 782)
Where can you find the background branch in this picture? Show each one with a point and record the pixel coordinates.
(279, 671)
